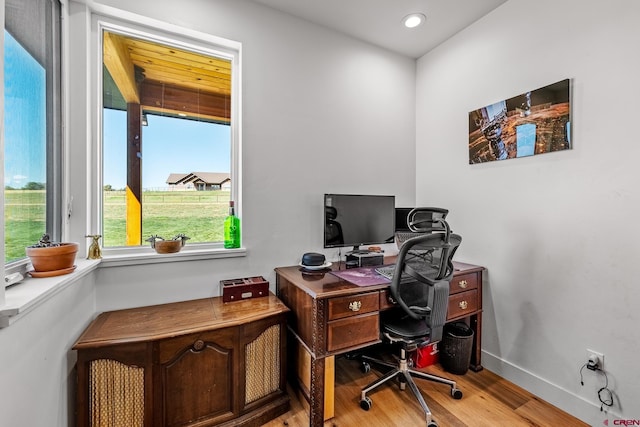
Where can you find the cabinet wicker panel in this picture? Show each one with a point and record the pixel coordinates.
(116, 394)
(262, 365)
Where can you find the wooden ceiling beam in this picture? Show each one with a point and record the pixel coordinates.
(116, 59)
(173, 99)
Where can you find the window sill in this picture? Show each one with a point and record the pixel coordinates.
(25, 296)
(114, 258)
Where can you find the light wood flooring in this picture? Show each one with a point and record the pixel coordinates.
(488, 400)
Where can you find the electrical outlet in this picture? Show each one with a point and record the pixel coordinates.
(595, 357)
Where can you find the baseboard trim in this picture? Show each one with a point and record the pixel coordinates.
(579, 407)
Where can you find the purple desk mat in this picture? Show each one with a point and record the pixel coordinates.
(362, 276)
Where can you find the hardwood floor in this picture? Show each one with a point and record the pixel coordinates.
(488, 400)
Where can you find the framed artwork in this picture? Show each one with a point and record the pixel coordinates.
(532, 123)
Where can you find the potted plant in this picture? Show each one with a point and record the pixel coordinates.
(163, 246)
(50, 258)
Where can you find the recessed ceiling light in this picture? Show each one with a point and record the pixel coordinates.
(413, 20)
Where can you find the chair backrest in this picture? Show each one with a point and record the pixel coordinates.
(424, 268)
(426, 219)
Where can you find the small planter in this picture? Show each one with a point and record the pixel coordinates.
(168, 246)
(52, 259)
(163, 246)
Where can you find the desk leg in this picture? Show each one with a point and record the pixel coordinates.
(476, 352)
(316, 393)
(312, 388)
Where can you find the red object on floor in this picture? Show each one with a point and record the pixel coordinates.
(426, 356)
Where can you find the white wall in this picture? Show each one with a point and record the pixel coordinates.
(37, 365)
(557, 232)
(321, 113)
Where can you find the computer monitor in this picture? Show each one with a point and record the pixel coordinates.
(401, 219)
(358, 219)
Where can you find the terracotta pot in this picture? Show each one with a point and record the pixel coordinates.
(53, 258)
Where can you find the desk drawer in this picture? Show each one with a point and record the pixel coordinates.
(462, 303)
(353, 331)
(386, 300)
(353, 305)
(462, 283)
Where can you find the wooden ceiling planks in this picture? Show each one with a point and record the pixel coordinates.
(196, 79)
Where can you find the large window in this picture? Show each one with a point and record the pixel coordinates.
(168, 164)
(32, 124)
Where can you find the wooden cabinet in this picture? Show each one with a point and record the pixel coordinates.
(194, 363)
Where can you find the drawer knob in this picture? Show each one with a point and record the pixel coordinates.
(463, 305)
(198, 345)
(355, 305)
(462, 284)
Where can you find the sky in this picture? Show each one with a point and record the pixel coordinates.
(169, 145)
(25, 116)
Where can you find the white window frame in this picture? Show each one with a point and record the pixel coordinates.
(198, 42)
(55, 167)
(26, 296)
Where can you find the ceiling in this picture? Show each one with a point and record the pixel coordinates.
(379, 21)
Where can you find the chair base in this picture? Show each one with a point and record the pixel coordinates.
(405, 375)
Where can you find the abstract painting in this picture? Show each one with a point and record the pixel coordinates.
(532, 123)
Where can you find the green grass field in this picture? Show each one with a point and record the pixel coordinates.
(24, 217)
(198, 214)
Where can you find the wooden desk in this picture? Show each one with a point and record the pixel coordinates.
(192, 363)
(330, 316)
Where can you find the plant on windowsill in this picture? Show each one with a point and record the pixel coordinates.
(163, 246)
(51, 258)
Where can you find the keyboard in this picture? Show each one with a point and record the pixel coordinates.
(386, 271)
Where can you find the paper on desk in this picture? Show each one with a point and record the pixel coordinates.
(363, 276)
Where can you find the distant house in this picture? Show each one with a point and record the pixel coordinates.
(174, 182)
(200, 181)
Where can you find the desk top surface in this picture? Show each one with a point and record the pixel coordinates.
(323, 284)
(142, 324)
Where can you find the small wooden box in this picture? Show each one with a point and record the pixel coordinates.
(239, 289)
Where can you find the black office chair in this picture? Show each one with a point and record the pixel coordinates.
(420, 287)
(420, 221)
(423, 220)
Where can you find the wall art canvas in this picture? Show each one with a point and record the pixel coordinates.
(532, 123)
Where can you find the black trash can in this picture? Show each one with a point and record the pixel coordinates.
(456, 346)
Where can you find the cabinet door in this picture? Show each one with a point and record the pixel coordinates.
(197, 382)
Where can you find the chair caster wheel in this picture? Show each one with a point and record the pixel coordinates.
(366, 403)
(457, 394)
(432, 424)
(365, 367)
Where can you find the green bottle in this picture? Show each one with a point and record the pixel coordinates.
(231, 229)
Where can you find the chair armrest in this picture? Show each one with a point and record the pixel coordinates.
(440, 303)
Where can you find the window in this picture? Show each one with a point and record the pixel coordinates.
(168, 138)
(32, 125)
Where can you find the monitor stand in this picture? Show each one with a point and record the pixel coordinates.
(357, 251)
(364, 259)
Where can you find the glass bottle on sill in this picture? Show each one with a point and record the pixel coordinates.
(231, 228)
